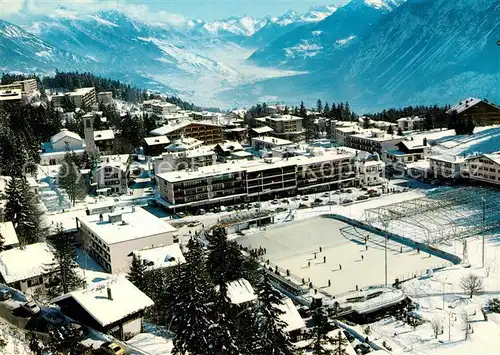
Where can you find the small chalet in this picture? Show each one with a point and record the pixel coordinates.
(155, 146)
(226, 149)
(26, 268)
(409, 151)
(112, 306)
(482, 112)
(291, 316)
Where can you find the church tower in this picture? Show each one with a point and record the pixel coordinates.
(88, 129)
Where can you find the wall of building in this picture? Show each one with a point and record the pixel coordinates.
(120, 261)
(72, 144)
(484, 170)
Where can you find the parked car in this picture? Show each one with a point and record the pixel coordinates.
(302, 206)
(181, 214)
(326, 194)
(296, 198)
(275, 202)
(347, 201)
(201, 211)
(5, 294)
(363, 197)
(318, 200)
(305, 198)
(349, 191)
(112, 348)
(338, 192)
(304, 311)
(285, 201)
(229, 208)
(257, 205)
(31, 307)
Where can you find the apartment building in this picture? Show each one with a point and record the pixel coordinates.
(190, 159)
(344, 129)
(164, 108)
(410, 123)
(80, 97)
(105, 141)
(242, 181)
(10, 95)
(269, 143)
(286, 126)
(111, 237)
(208, 133)
(27, 87)
(446, 166)
(484, 168)
(373, 141)
(111, 176)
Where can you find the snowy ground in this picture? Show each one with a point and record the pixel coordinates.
(292, 246)
(15, 343)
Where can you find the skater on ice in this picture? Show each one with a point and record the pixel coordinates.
(324, 259)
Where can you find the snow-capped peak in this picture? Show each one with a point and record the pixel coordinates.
(385, 5)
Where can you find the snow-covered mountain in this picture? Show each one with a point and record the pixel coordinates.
(422, 52)
(275, 27)
(308, 43)
(20, 50)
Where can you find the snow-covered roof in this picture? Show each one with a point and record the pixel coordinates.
(63, 134)
(230, 146)
(126, 299)
(291, 316)
(167, 129)
(242, 154)
(263, 129)
(184, 143)
(104, 135)
(495, 157)
(272, 140)
(161, 257)
(8, 233)
(240, 291)
(411, 119)
(135, 223)
(447, 158)
(414, 144)
(156, 140)
(464, 105)
(21, 264)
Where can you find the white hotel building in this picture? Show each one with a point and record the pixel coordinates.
(111, 237)
(244, 181)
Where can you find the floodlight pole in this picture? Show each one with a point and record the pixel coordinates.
(484, 222)
(386, 237)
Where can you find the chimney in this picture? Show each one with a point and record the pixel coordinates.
(110, 296)
(425, 142)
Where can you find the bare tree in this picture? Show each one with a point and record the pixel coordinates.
(437, 326)
(471, 284)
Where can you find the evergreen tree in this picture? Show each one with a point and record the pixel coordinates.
(22, 210)
(400, 132)
(286, 111)
(71, 180)
(296, 111)
(193, 299)
(428, 122)
(137, 272)
(390, 130)
(64, 267)
(347, 112)
(366, 122)
(225, 261)
(132, 128)
(333, 112)
(469, 125)
(149, 124)
(224, 331)
(319, 106)
(272, 339)
(326, 110)
(453, 120)
(321, 344)
(302, 111)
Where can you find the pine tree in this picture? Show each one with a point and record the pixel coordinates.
(302, 110)
(400, 132)
(428, 122)
(65, 266)
(321, 344)
(225, 261)
(319, 106)
(71, 180)
(390, 130)
(137, 272)
(272, 339)
(286, 111)
(326, 110)
(469, 125)
(22, 210)
(193, 301)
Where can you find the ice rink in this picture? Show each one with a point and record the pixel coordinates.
(292, 246)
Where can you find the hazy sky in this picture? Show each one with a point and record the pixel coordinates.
(199, 9)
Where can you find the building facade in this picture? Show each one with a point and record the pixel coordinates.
(110, 238)
(373, 142)
(446, 167)
(243, 181)
(80, 97)
(482, 112)
(208, 133)
(111, 176)
(484, 168)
